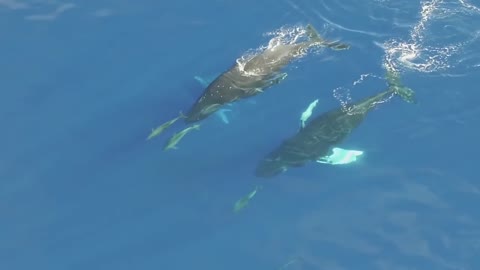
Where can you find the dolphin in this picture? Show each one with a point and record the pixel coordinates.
(257, 74)
(316, 140)
(307, 113)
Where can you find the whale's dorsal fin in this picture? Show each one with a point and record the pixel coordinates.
(315, 36)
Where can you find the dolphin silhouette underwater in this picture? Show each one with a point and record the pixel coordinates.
(257, 74)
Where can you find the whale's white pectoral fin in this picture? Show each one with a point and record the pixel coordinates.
(323, 160)
(253, 91)
(340, 156)
(205, 82)
(221, 114)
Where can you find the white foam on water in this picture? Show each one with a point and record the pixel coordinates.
(365, 76)
(282, 36)
(421, 52)
(343, 94)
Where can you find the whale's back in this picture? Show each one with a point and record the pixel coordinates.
(271, 60)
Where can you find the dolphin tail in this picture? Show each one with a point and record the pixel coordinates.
(396, 87)
(315, 36)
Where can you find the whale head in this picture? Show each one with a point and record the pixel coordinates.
(269, 168)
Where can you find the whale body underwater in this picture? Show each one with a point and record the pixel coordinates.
(316, 140)
(257, 74)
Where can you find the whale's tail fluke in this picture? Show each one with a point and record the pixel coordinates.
(315, 36)
(396, 87)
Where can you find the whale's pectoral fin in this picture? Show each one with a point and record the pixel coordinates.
(205, 82)
(340, 156)
(221, 114)
(315, 37)
(323, 160)
(254, 91)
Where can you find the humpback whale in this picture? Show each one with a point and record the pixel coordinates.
(257, 74)
(317, 138)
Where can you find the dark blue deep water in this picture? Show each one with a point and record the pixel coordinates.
(82, 84)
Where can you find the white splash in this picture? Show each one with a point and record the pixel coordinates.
(53, 14)
(469, 7)
(343, 95)
(285, 35)
(281, 36)
(364, 76)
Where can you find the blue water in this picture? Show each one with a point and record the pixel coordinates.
(83, 84)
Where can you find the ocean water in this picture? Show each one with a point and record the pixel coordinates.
(82, 84)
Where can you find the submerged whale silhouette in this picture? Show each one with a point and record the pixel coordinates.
(318, 137)
(256, 75)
